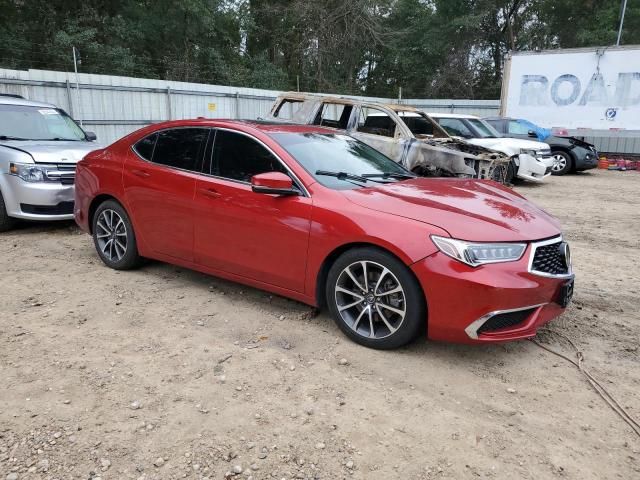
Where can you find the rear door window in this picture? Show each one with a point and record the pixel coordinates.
(287, 109)
(181, 148)
(376, 122)
(239, 157)
(145, 147)
(334, 115)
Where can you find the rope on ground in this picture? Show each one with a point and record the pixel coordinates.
(578, 363)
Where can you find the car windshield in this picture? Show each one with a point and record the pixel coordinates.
(22, 122)
(483, 129)
(339, 161)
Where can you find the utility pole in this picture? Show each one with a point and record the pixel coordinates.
(76, 61)
(624, 9)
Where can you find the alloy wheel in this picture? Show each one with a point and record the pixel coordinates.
(111, 234)
(370, 299)
(560, 163)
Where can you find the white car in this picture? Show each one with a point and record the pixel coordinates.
(532, 159)
(39, 148)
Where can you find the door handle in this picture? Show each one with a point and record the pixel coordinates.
(210, 192)
(141, 173)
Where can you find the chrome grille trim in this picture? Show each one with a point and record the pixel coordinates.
(532, 254)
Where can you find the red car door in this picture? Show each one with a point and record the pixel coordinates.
(159, 180)
(258, 236)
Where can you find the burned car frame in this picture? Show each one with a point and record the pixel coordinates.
(403, 133)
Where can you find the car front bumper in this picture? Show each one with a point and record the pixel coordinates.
(462, 299)
(585, 159)
(37, 200)
(531, 169)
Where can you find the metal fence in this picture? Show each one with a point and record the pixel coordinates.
(114, 106)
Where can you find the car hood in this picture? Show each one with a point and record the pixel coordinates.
(474, 210)
(53, 151)
(511, 146)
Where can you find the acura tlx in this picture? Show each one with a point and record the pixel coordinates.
(322, 218)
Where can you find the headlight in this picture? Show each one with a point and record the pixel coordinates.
(475, 254)
(528, 151)
(29, 172)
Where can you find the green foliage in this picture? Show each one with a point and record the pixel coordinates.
(429, 48)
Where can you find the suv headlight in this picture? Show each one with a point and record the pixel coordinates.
(29, 172)
(475, 254)
(528, 151)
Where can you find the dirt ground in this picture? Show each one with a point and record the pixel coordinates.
(164, 373)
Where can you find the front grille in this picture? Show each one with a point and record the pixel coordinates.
(550, 259)
(505, 320)
(63, 208)
(64, 173)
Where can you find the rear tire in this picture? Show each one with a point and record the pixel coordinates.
(564, 163)
(113, 236)
(6, 222)
(385, 311)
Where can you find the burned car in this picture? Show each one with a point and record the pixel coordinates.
(403, 133)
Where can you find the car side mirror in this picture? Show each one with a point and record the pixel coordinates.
(273, 183)
(532, 134)
(91, 136)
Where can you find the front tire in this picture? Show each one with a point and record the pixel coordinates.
(375, 299)
(6, 222)
(564, 163)
(113, 236)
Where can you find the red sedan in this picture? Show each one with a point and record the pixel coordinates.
(320, 217)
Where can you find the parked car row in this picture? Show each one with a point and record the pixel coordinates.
(439, 144)
(315, 213)
(569, 153)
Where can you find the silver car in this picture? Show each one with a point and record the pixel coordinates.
(39, 148)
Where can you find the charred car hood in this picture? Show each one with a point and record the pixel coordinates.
(53, 151)
(475, 210)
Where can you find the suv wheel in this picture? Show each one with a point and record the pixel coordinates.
(114, 237)
(6, 222)
(375, 299)
(563, 163)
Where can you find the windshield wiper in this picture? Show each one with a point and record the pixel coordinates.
(398, 175)
(343, 175)
(58, 139)
(9, 137)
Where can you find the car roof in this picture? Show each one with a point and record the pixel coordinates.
(501, 118)
(281, 127)
(7, 100)
(317, 97)
(266, 126)
(451, 115)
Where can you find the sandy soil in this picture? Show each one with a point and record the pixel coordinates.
(163, 373)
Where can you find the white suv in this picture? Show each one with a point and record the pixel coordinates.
(39, 148)
(532, 160)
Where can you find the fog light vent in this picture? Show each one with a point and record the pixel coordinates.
(505, 320)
